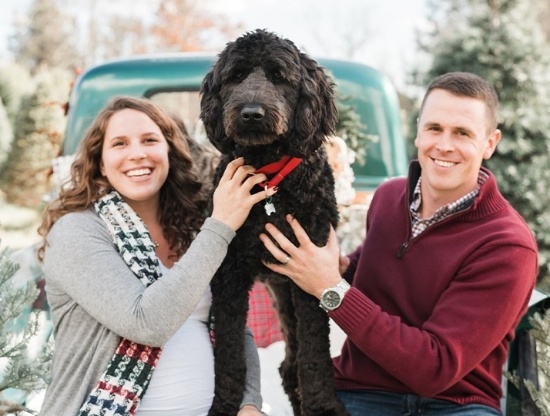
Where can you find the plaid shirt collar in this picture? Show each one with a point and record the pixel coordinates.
(419, 224)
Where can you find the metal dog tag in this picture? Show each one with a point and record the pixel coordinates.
(269, 207)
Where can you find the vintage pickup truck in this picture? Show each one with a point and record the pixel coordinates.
(173, 81)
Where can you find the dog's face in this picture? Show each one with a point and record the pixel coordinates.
(263, 91)
(258, 103)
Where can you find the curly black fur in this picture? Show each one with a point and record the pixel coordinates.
(264, 99)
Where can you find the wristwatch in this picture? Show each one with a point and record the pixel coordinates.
(332, 297)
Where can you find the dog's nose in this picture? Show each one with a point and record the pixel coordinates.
(252, 112)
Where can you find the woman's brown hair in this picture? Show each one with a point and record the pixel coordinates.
(182, 199)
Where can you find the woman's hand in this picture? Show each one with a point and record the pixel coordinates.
(249, 410)
(343, 263)
(232, 198)
(311, 267)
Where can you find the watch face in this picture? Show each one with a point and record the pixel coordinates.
(331, 299)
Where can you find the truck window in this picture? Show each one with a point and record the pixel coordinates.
(184, 105)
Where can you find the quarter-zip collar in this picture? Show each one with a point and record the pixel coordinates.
(489, 200)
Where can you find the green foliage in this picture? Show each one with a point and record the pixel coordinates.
(47, 40)
(411, 121)
(38, 135)
(502, 41)
(540, 330)
(6, 134)
(15, 83)
(17, 369)
(351, 129)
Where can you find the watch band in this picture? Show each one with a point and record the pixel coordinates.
(332, 297)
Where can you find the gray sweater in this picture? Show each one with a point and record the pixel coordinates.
(95, 300)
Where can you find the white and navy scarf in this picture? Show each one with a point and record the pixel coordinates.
(122, 386)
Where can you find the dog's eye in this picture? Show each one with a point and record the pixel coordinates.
(277, 75)
(238, 76)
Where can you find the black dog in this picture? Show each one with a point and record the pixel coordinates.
(273, 105)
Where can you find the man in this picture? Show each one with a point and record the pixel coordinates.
(442, 278)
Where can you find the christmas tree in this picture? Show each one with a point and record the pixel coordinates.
(20, 373)
(537, 385)
(541, 333)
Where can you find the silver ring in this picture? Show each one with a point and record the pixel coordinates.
(286, 260)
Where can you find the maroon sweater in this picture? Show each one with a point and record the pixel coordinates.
(434, 315)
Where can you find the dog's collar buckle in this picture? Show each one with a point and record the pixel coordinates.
(280, 168)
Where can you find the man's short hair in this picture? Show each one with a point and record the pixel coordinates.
(465, 84)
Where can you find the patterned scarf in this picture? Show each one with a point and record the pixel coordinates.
(121, 387)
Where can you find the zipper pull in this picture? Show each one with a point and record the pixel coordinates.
(402, 250)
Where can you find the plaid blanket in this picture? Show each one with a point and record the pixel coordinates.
(262, 317)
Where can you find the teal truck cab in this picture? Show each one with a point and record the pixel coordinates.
(174, 81)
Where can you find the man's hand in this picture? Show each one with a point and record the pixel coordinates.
(311, 267)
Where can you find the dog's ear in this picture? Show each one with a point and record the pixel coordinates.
(315, 114)
(212, 112)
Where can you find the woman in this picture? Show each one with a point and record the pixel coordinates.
(134, 211)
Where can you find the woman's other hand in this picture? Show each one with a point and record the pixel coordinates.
(249, 410)
(343, 263)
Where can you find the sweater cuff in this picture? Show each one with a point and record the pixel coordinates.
(355, 308)
(220, 228)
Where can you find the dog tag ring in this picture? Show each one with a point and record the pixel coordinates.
(269, 207)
